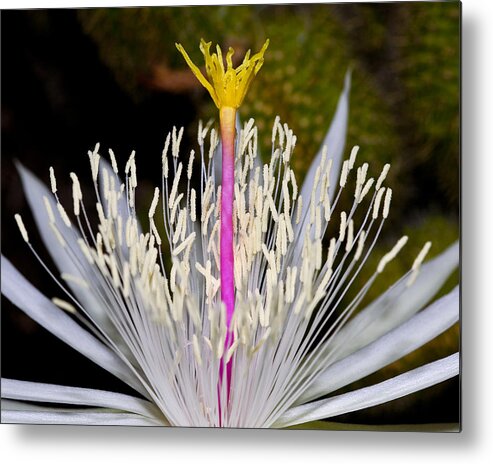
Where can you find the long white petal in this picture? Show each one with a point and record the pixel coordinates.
(47, 393)
(396, 305)
(334, 140)
(76, 417)
(409, 336)
(397, 387)
(27, 298)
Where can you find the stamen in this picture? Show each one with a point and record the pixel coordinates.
(114, 165)
(22, 229)
(417, 264)
(49, 210)
(65, 305)
(391, 254)
(155, 199)
(382, 177)
(94, 161)
(299, 210)
(53, 180)
(342, 226)
(193, 207)
(190, 165)
(350, 234)
(74, 279)
(366, 189)
(174, 188)
(376, 205)
(421, 256)
(76, 193)
(352, 157)
(63, 215)
(386, 205)
(184, 244)
(361, 244)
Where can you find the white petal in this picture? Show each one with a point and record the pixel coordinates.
(13, 405)
(409, 336)
(46, 393)
(35, 191)
(397, 387)
(334, 140)
(27, 298)
(396, 305)
(76, 417)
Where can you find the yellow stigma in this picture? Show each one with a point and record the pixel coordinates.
(229, 86)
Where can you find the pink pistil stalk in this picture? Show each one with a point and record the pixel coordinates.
(227, 118)
(227, 87)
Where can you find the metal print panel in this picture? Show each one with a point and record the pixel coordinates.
(232, 216)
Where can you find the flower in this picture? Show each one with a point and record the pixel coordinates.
(156, 320)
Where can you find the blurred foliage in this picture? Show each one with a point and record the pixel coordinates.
(429, 66)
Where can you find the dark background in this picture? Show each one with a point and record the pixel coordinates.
(71, 78)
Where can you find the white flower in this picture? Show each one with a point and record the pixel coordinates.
(154, 318)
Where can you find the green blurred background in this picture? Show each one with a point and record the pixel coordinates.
(74, 77)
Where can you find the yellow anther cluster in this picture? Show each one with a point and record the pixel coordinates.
(229, 86)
